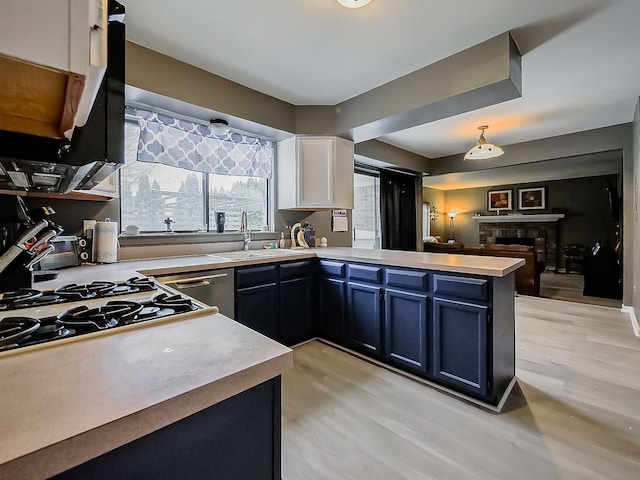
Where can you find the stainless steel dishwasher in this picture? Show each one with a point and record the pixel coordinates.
(211, 287)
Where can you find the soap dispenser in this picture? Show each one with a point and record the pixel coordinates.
(282, 241)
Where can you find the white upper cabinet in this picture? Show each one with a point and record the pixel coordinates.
(315, 173)
(53, 55)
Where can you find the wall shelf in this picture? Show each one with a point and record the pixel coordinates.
(517, 218)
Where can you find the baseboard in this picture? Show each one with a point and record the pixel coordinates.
(633, 318)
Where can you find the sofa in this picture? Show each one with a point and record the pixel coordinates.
(527, 276)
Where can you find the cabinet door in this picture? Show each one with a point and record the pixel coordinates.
(296, 310)
(257, 308)
(460, 345)
(331, 309)
(316, 157)
(406, 337)
(364, 332)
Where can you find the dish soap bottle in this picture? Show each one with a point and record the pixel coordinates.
(282, 242)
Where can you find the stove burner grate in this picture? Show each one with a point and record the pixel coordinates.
(95, 289)
(7, 299)
(100, 318)
(14, 328)
(176, 302)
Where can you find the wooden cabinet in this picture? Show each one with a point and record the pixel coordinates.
(53, 54)
(364, 320)
(406, 329)
(461, 348)
(315, 172)
(331, 309)
(277, 300)
(297, 303)
(257, 299)
(453, 329)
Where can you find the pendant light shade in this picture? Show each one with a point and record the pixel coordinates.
(483, 149)
(353, 3)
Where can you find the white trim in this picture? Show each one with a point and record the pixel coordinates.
(634, 320)
(540, 217)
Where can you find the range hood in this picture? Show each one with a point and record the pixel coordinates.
(36, 163)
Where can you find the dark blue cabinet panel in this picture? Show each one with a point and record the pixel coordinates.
(299, 269)
(460, 345)
(364, 332)
(331, 308)
(413, 279)
(296, 310)
(257, 308)
(259, 275)
(406, 333)
(466, 287)
(366, 273)
(332, 268)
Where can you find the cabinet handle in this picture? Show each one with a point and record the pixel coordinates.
(191, 283)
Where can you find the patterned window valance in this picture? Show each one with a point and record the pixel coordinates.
(193, 146)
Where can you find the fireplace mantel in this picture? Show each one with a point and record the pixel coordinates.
(517, 218)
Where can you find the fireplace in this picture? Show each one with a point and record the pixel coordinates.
(528, 241)
(540, 235)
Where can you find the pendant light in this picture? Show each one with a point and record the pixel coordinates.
(353, 3)
(483, 149)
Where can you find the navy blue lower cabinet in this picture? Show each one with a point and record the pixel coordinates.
(460, 345)
(364, 319)
(331, 309)
(406, 329)
(257, 308)
(296, 310)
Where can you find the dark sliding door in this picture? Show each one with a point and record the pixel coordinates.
(398, 211)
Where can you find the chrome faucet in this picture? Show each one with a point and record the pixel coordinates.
(245, 228)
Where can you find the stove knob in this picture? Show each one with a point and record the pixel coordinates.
(84, 256)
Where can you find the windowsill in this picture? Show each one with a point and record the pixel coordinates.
(192, 237)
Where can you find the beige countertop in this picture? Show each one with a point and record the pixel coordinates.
(446, 262)
(66, 402)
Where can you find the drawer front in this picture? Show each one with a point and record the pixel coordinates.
(332, 268)
(295, 270)
(367, 273)
(467, 287)
(416, 280)
(256, 275)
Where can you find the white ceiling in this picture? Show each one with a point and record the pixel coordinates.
(580, 64)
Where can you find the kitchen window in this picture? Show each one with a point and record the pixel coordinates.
(151, 193)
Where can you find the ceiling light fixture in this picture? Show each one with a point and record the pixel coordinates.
(219, 126)
(353, 3)
(483, 149)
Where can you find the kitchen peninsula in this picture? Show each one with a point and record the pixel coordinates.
(113, 388)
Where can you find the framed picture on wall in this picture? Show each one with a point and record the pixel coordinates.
(498, 200)
(532, 198)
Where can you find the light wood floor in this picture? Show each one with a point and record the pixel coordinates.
(575, 413)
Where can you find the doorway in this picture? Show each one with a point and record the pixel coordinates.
(366, 210)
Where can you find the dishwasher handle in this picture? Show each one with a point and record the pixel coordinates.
(196, 281)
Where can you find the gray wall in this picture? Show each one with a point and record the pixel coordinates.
(584, 201)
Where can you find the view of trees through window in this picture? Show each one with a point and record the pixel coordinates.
(151, 192)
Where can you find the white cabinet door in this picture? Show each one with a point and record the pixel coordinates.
(316, 158)
(36, 31)
(315, 173)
